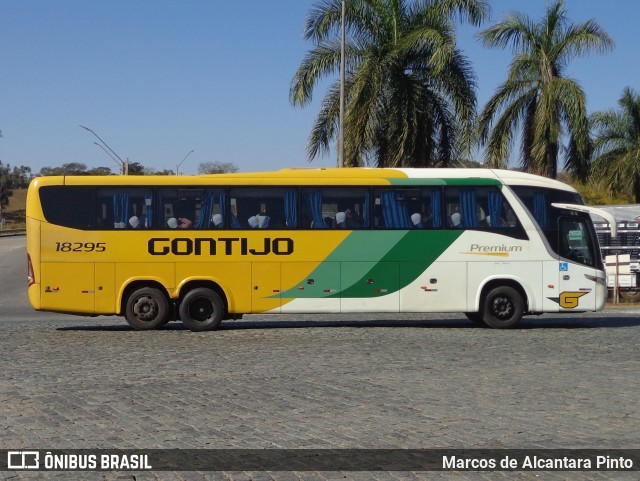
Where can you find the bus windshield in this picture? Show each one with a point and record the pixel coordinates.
(570, 234)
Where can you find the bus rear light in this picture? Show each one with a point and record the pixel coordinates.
(31, 278)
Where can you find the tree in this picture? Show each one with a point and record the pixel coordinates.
(536, 98)
(5, 188)
(71, 168)
(217, 168)
(409, 93)
(136, 168)
(100, 171)
(616, 145)
(74, 168)
(151, 171)
(10, 179)
(16, 177)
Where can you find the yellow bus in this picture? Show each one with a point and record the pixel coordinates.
(492, 244)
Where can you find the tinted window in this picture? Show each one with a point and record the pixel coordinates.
(124, 208)
(334, 208)
(577, 242)
(538, 200)
(263, 208)
(191, 208)
(408, 208)
(68, 206)
(483, 208)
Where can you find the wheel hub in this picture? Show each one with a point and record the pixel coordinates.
(503, 307)
(201, 309)
(145, 309)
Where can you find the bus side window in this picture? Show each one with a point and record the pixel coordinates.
(124, 208)
(335, 207)
(69, 206)
(211, 213)
(407, 208)
(481, 208)
(263, 208)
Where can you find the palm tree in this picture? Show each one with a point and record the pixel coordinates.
(536, 98)
(409, 93)
(616, 145)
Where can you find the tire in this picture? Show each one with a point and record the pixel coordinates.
(503, 308)
(201, 310)
(147, 308)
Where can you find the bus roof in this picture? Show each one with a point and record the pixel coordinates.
(316, 176)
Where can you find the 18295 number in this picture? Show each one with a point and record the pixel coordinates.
(81, 246)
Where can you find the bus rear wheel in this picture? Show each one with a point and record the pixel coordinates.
(503, 308)
(147, 308)
(201, 310)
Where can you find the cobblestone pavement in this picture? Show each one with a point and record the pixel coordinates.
(330, 382)
(359, 381)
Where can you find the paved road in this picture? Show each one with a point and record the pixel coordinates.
(385, 381)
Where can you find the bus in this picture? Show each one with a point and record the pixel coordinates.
(493, 244)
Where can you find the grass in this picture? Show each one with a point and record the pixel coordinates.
(15, 213)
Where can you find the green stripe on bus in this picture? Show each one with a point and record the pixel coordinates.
(475, 181)
(373, 264)
(359, 250)
(405, 261)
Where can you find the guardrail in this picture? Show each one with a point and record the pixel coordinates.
(8, 232)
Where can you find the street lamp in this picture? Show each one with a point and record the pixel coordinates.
(185, 158)
(108, 153)
(123, 163)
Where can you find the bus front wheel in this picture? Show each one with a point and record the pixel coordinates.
(503, 307)
(147, 308)
(201, 310)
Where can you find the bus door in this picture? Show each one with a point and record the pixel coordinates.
(581, 281)
(577, 265)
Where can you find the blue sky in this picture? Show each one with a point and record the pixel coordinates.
(156, 79)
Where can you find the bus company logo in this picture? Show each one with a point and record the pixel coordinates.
(569, 299)
(228, 246)
(23, 460)
(502, 250)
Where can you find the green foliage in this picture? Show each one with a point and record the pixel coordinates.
(599, 195)
(136, 168)
(12, 178)
(616, 146)
(409, 93)
(536, 98)
(217, 168)
(159, 172)
(15, 177)
(100, 171)
(74, 168)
